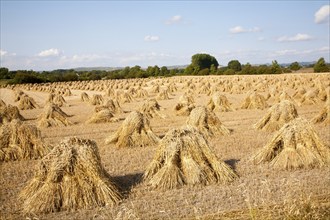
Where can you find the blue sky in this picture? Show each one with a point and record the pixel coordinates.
(47, 35)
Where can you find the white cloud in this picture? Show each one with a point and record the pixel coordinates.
(174, 20)
(322, 15)
(326, 48)
(240, 29)
(49, 53)
(3, 52)
(237, 30)
(297, 37)
(285, 52)
(151, 38)
(261, 38)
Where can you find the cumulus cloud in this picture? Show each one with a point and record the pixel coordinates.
(3, 52)
(174, 20)
(322, 15)
(240, 29)
(237, 30)
(49, 53)
(151, 38)
(297, 37)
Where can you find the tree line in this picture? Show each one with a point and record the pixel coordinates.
(201, 64)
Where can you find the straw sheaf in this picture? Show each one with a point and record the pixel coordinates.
(70, 177)
(284, 96)
(67, 92)
(57, 99)
(135, 131)
(310, 97)
(102, 116)
(53, 116)
(18, 94)
(2, 103)
(155, 89)
(219, 102)
(278, 115)
(27, 102)
(97, 99)
(298, 94)
(141, 93)
(111, 104)
(151, 109)
(295, 145)
(9, 113)
(19, 141)
(163, 95)
(324, 95)
(185, 158)
(123, 97)
(206, 122)
(254, 101)
(185, 105)
(324, 115)
(84, 97)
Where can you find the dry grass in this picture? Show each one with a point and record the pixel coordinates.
(260, 192)
(19, 141)
(278, 115)
(185, 158)
(70, 177)
(135, 131)
(295, 145)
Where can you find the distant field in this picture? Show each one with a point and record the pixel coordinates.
(260, 192)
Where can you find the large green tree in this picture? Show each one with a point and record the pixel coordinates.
(321, 66)
(4, 73)
(275, 68)
(295, 66)
(202, 61)
(235, 65)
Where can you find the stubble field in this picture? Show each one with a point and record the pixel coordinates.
(260, 191)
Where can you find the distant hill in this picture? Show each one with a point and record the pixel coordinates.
(301, 64)
(80, 69)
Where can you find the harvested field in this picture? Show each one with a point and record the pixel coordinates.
(258, 192)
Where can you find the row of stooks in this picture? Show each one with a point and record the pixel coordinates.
(234, 84)
(133, 89)
(70, 175)
(107, 107)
